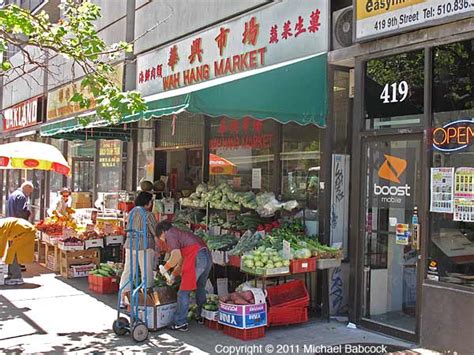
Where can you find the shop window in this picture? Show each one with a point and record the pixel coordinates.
(183, 130)
(247, 148)
(394, 91)
(81, 160)
(451, 249)
(300, 152)
(146, 151)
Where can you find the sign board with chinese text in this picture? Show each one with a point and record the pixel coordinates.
(276, 34)
(110, 153)
(24, 114)
(376, 18)
(59, 104)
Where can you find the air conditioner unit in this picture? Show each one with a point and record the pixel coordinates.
(342, 21)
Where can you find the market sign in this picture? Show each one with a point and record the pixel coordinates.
(276, 34)
(240, 134)
(453, 136)
(59, 100)
(375, 18)
(21, 115)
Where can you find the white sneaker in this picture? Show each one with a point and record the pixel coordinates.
(14, 282)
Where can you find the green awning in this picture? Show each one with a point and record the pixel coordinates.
(295, 92)
(84, 127)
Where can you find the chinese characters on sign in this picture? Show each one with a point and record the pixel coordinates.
(256, 140)
(110, 153)
(279, 33)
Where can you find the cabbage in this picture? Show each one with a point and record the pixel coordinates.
(276, 259)
(286, 262)
(264, 258)
(270, 266)
(258, 264)
(304, 253)
(278, 264)
(249, 263)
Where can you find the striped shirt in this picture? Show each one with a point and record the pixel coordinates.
(136, 216)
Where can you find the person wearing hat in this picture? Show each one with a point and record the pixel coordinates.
(20, 234)
(62, 207)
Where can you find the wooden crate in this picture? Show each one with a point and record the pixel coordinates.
(40, 256)
(50, 257)
(82, 257)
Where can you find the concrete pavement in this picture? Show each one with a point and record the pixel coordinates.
(52, 314)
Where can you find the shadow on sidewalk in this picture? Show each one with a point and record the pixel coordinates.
(108, 341)
(9, 314)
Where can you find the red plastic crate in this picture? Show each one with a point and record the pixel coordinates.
(287, 315)
(103, 285)
(290, 294)
(245, 334)
(303, 265)
(234, 260)
(212, 324)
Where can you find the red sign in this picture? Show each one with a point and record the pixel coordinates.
(21, 115)
(253, 142)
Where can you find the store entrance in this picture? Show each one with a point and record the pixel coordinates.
(391, 193)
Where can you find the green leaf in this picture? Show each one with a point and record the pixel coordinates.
(6, 66)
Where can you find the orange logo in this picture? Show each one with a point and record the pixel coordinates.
(392, 168)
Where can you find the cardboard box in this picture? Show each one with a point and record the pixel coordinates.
(94, 243)
(114, 240)
(80, 270)
(71, 246)
(158, 297)
(157, 316)
(243, 317)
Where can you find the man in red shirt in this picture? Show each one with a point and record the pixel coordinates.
(191, 258)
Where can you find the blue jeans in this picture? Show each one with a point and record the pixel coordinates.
(203, 268)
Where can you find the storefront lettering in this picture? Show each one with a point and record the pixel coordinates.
(287, 31)
(254, 142)
(453, 136)
(22, 115)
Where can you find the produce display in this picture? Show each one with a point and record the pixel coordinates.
(107, 270)
(264, 258)
(246, 243)
(55, 224)
(212, 303)
(70, 241)
(99, 233)
(218, 242)
(239, 298)
(225, 198)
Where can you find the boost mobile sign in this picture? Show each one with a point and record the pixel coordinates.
(375, 18)
(391, 186)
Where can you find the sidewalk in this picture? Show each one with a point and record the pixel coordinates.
(52, 314)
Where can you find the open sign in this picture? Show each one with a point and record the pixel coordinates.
(454, 136)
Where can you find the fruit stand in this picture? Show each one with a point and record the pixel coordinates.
(72, 249)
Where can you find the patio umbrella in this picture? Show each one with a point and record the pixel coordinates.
(32, 155)
(221, 166)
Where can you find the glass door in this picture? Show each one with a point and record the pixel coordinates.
(83, 174)
(392, 190)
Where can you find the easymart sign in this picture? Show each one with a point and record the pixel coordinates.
(376, 18)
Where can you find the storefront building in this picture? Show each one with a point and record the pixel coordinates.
(21, 122)
(412, 248)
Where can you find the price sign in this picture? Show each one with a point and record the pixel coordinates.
(286, 250)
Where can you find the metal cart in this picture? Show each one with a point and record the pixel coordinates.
(137, 327)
